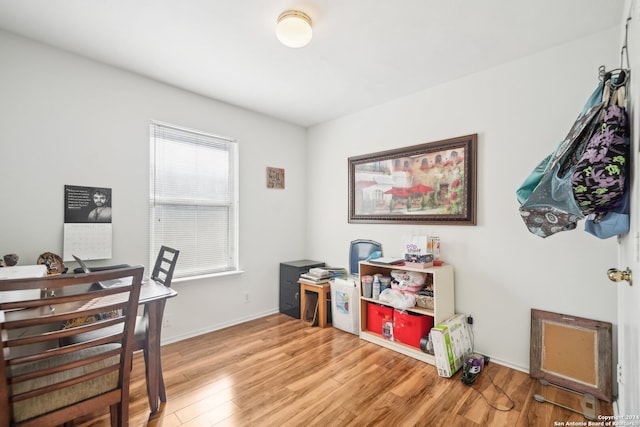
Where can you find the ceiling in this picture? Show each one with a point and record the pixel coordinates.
(363, 52)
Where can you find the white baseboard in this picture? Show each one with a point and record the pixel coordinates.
(509, 365)
(216, 327)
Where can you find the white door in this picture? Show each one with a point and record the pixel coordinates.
(629, 295)
(629, 315)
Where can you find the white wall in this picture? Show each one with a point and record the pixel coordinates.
(68, 120)
(520, 111)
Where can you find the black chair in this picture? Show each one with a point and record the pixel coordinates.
(359, 251)
(46, 382)
(165, 265)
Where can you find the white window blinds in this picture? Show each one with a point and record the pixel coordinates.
(193, 199)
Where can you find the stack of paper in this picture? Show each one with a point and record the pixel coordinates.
(323, 274)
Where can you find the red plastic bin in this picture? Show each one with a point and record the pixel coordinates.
(376, 317)
(409, 328)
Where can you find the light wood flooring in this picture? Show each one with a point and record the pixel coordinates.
(276, 371)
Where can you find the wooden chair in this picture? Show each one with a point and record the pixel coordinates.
(46, 382)
(162, 273)
(165, 265)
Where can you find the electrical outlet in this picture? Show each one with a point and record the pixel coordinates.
(167, 321)
(246, 297)
(470, 320)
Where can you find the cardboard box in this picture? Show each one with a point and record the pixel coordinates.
(423, 260)
(451, 344)
(418, 264)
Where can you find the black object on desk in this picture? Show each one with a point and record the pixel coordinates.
(290, 288)
(79, 270)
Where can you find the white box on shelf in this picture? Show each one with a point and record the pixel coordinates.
(451, 343)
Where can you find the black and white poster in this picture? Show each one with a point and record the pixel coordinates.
(87, 222)
(87, 204)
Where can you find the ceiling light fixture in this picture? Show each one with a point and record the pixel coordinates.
(294, 29)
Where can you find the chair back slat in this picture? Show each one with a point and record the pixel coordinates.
(61, 386)
(34, 374)
(81, 327)
(46, 381)
(42, 315)
(59, 351)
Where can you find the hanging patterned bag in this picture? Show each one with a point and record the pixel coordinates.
(531, 182)
(599, 177)
(551, 207)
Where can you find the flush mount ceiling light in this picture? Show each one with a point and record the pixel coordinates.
(294, 28)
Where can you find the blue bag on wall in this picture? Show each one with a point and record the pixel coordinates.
(531, 182)
(551, 206)
(611, 223)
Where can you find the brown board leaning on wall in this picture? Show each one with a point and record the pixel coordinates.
(572, 352)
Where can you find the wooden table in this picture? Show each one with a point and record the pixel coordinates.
(154, 297)
(324, 294)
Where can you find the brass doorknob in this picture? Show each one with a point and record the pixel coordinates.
(616, 275)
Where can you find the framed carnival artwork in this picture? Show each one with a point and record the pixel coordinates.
(432, 183)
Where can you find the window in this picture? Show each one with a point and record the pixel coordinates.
(193, 199)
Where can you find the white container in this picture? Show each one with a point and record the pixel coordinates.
(21, 272)
(367, 284)
(345, 303)
(376, 286)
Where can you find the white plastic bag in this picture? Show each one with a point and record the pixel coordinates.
(398, 299)
(409, 281)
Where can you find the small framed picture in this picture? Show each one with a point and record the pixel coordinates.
(275, 177)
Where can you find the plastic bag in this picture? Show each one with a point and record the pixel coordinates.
(398, 299)
(408, 281)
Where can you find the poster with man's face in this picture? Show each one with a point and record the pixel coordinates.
(87, 204)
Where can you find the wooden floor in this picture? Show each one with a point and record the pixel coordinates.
(277, 371)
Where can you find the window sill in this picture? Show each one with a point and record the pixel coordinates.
(207, 276)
